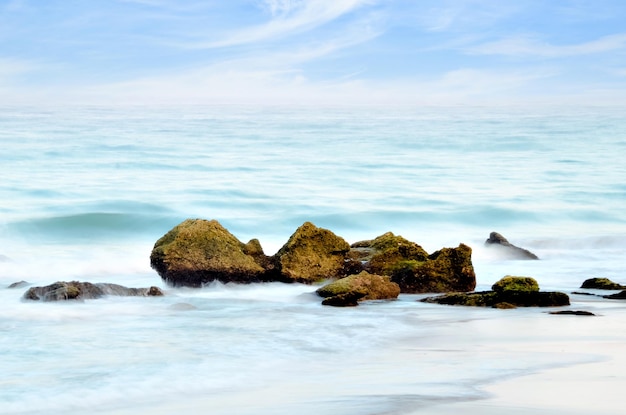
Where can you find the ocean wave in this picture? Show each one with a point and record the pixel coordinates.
(91, 225)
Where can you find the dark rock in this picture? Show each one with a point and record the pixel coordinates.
(410, 266)
(311, 255)
(446, 270)
(619, 296)
(512, 251)
(350, 299)
(602, 284)
(511, 292)
(19, 284)
(199, 251)
(573, 313)
(76, 290)
(374, 287)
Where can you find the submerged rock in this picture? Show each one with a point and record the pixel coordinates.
(619, 296)
(411, 267)
(509, 292)
(76, 290)
(573, 313)
(199, 251)
(363, 286)
(19, 284)
(496, 240)
(310, 255)
(602, 284)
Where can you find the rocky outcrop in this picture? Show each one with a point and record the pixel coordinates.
(411, 267)
(76, 290)
(199, 251)
(509, 292)
(311, 255)
(362, 286)
(497, 241)
(602, 284)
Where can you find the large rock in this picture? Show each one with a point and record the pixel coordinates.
(76, 290)
(602, 284)
(199, 251)
(310, 255)
(411, 267)
(498, 241)
(509, 292)
(363, 286)
(446, 270)
(384, 254)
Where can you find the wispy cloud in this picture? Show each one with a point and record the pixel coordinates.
(529, 46)
(287, 17)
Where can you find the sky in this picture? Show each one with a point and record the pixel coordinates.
(415, 52)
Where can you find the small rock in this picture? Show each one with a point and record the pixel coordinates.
(602, 284)
(514, 252)
(573, 313)
(19, 284)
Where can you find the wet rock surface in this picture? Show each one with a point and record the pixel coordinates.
(75, 290)
(497, 241)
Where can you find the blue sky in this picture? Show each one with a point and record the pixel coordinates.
(310, 52)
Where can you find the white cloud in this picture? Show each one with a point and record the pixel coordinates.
(287, 17)
(524, 46)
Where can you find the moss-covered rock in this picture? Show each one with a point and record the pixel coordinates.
(310, 255)
(373, 287)
(602, 284)
(349, 299)
(386, 253)
(511, 283)
(199, 251)
(509, 292)
(76, 290)
(446, 270)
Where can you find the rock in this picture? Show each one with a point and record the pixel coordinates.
(383, 255)
(19, 284)
(350, 299)
(368, 286)
(199, 251)
(76, 290)
(602, 284)
(619, 296)
(311, 255)
(573, 313)
(410, 266)
(446, 270)
(510, 283)
(509, 292)
(511, 251)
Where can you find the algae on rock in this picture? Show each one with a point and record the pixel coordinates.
(199, 251)
(310, 255)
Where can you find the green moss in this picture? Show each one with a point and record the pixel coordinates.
(517, 284)
(602, 284)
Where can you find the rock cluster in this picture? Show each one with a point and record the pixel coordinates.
(76, 290)
(509, 292)
(199, 251)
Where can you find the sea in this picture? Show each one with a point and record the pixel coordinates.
(86, 191)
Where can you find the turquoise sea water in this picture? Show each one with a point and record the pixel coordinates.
(86, 192)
